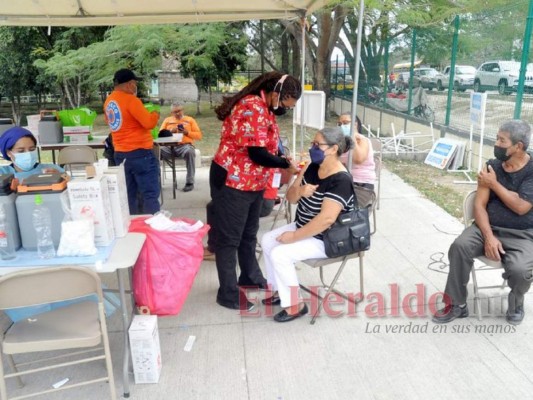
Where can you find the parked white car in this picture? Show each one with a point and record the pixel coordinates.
(463, 78)
(501, 75)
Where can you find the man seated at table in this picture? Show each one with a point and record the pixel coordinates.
(178, 122)
(19, 146)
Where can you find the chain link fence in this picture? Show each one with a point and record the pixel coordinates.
(488, 51)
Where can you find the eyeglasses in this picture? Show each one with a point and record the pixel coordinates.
(318, 144)
(176, 111)
(344, 123)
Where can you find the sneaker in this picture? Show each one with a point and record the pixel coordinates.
(188, 187)
(516, 317)
(242, 306)
(449, 313)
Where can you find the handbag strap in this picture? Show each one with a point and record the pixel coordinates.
(364, 197)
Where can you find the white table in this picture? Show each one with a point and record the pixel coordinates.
(123, 257)
(170, 142)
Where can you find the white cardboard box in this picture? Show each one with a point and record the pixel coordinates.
(68, 130)
(118, 197)
(145, 349)
(90, 197)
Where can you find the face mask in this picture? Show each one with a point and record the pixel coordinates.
(501, 153)
(25, 161)
(346, 130)
(317, 155)
(279, 111)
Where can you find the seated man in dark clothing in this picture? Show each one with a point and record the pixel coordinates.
(503, 228)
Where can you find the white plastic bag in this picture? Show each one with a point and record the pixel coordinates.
(77, 238)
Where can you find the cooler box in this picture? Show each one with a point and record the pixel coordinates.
(52, 189)
(7, 199)
(50, 129)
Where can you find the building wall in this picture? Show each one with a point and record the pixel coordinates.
(172, 87)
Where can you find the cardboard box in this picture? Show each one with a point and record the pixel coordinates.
(72, 130)
(78, 138)
(118, 197)
(90, 197)
(145, 349)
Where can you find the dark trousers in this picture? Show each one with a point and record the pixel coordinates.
(142, 176)
(237, 222)
(517, 260)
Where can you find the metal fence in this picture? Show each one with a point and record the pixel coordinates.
(495, 44)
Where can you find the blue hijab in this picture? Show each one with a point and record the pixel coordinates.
(11, 137)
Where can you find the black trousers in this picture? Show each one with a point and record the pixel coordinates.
(236, 224)
(518, 262)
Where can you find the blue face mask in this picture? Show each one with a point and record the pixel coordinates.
(317, 155)
(25, 161)
(346, 130)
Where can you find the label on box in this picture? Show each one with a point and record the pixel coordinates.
(90, 198)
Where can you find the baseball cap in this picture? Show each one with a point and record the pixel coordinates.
(125, 75)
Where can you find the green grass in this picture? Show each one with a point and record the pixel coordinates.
(431, 182)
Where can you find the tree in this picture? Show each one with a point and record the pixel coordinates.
(211, 53)
(18, 76)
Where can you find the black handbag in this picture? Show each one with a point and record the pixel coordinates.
(350, 233)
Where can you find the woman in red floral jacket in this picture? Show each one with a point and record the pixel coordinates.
(246, 156)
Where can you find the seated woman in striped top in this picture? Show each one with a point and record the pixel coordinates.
(323, 189)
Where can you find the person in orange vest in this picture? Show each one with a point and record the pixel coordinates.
(130, 124)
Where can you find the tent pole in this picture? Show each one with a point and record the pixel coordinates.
(302, 105)
(356, 77)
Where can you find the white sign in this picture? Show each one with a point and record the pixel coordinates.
(478, 102)
(314, 109)
(441, 153)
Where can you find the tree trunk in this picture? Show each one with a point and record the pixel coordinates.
(198, 111)
(67, 92)
(285, 52)
(296, 58)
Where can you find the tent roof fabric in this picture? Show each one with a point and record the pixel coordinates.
(128, 12)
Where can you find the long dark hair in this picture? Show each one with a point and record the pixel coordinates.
(291, 87)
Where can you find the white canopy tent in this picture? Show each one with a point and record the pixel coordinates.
(134, 12)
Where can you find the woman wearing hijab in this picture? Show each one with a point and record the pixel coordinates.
(19, 146)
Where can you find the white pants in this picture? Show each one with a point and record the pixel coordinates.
(280, 259)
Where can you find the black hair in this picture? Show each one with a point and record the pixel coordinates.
(269, 82)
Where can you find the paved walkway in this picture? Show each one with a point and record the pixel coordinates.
(385, 348)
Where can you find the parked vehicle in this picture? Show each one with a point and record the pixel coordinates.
(501, 75)
(462, 80)
(424, 77)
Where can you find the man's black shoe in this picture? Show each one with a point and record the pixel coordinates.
(188, 187)
(449, 313)
(516, 317)
(242, 306)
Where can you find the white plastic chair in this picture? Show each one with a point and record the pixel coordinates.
(76, 156)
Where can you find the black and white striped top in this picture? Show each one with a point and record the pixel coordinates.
(337, 187)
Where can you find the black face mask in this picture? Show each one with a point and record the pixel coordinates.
(279, 111)
(501, 153)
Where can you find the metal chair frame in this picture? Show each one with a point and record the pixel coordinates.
(487, 264)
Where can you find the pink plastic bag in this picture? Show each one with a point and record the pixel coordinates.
(166, 268)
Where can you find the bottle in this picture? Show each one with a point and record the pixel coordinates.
(7, 245)
(42, 222)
